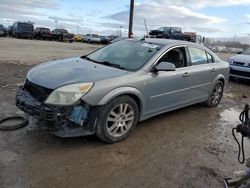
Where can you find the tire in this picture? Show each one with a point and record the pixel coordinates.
(216, 94)
(23, 123)
(112, 126)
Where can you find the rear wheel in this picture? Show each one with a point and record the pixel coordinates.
(216, 95)
(118, 119)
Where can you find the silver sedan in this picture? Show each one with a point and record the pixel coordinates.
(112, 89)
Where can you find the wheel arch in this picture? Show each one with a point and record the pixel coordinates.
(221, 78)
(129, 91)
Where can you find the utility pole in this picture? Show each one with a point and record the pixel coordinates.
(56, 23)
(120, 31)
(131, 15)
(77, 28)
(146, 27)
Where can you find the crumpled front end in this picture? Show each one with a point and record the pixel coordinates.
(63, 121)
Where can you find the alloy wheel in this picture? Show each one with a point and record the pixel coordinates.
(217, 94)
(120, 120)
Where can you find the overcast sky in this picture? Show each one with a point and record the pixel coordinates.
(211, 18)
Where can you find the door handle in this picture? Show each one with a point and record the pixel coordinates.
(213, 70)
(186, 74)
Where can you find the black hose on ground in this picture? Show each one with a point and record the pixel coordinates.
(23, 123)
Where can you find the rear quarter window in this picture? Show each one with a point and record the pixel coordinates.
(210, 58)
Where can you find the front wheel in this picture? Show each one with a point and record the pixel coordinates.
(216, 95)
(118, 119)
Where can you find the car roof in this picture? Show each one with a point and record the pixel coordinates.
(168, 41)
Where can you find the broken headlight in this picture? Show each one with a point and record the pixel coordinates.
(69, 94)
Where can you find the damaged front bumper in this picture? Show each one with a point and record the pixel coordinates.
(63, 121)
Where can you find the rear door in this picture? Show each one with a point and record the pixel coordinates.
(201, 72)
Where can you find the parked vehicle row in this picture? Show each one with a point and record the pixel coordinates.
(92, 38)
(26, 30)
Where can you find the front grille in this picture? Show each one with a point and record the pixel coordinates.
(38, 92)
(236, 63)
(239, 63)
(240, 73)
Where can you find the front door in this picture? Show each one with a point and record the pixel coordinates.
(166, 90)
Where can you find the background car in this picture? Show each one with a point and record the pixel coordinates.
(23, 30)
(3, 31)
(104, 39)
(94, 94)
(167, 32)
(62, 35)
(9, 30)
(78, 38)
(240, 65)
(92, 38)
(42, 33)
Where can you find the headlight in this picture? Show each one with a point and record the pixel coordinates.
(230, 61)
(68, 94)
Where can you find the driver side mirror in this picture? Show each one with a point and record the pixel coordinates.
(164, 66)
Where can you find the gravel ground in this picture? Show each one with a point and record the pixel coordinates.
(190, 147)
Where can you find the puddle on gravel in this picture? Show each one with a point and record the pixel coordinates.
(231, 116)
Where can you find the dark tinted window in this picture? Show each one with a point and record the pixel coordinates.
(26, 26)
(197, 56)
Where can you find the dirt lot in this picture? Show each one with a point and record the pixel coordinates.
(191, 147)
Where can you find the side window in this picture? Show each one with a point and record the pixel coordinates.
(177, 56)
(197, 56)
(210, 58)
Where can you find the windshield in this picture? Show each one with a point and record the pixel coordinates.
(126, 54)
(246, 52)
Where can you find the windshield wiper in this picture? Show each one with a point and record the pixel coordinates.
(112, 65)
(104, 63)
(89, 59)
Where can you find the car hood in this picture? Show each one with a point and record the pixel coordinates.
(62, 72)
(241, 58)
